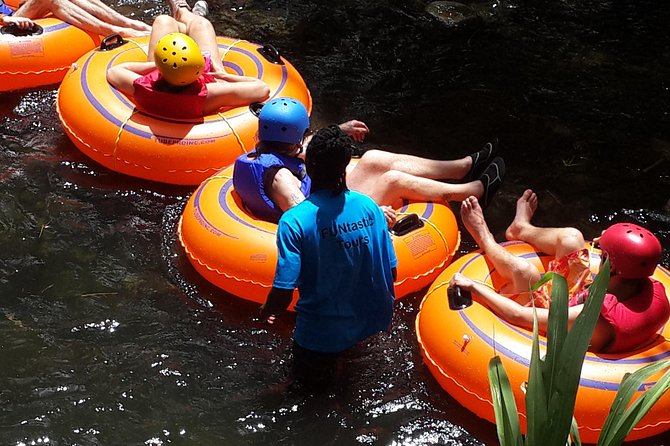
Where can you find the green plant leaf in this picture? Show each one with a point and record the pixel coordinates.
(536, 395)
(621, 420)
(504, 406)
(569, 361)
(574, 434)
(557, 324)
(557, 328)
(553, 382)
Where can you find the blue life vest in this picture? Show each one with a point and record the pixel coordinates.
(4, 9)
(249, 181)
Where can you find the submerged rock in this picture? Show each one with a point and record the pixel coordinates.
(456, 14)
(451, 13)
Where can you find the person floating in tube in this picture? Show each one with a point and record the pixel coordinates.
(272, 179)
(635, 306)
(183, 76)
(90, 15)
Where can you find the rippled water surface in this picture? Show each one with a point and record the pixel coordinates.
(108, 337)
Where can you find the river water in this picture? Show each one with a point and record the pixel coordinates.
(108, 337)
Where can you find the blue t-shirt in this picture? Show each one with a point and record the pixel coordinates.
(336, 249)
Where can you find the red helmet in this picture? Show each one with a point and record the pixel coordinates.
(634, 252)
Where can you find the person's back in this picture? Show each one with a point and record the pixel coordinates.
(636, 320)
(180, 77)
(636, 306)
(252, 173)
(346, 282)
(282, 125)
(173, 81)
(183, 76)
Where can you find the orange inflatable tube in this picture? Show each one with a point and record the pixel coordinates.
(457, 347)
(105, 125)
(238, 253)
(43, 56)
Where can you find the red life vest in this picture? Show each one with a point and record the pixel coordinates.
(155, 96)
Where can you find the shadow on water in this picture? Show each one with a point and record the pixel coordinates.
(108, 336)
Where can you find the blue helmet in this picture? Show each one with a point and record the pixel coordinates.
(283, 120)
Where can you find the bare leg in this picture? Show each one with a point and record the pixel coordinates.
(202, 31)
(106, 14)
(33, 9)
(229, 90)
(392, 187)
(74, 15)
(554, 241)
(163, 25)
(521, 273)
(199, 29)
(379, 161)
(390, 178)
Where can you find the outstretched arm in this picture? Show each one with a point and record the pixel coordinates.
(356, 129)
(508, 309)
(522, 316)
(123, 75)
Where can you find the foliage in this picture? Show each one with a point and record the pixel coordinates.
(553, 381)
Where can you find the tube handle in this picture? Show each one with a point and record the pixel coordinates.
(14, 30)
(271, 54)
(112, 41)
(407, 224)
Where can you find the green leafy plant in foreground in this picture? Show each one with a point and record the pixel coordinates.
(553, 380)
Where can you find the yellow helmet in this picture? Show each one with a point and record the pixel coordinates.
(179, 59)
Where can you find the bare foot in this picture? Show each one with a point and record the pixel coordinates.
(473, 220)
(526, 206)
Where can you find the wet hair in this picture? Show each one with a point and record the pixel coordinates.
(327, 157)
(284, 148)
(274, 146)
